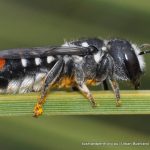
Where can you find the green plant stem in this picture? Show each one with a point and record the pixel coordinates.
(67, 103)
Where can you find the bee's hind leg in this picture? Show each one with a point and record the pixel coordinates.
(115, 88)
(49, 80)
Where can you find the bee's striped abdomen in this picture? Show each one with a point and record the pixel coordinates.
(24, 75)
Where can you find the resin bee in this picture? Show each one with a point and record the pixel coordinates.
(74, 64)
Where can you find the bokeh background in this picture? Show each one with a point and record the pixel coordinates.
(29, 23)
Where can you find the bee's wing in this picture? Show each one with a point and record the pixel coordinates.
(22, 53)
(43, 52)
(76, 50)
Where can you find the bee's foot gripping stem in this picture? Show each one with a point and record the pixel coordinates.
(118, 103)
(38, 110)
(93, 103)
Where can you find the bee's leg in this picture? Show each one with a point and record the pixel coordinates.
(49, 80)
(79, 78)
(105, 85)
(115, 88)
(84, 89)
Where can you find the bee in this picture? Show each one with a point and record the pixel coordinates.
(77, 64)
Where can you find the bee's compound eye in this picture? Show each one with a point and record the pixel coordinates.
(2, 63)
(93, 49)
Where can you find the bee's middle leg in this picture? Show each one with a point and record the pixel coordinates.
(84, 89)
(79, 78)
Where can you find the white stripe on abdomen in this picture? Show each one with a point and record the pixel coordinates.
(27, 84)
(38, 81)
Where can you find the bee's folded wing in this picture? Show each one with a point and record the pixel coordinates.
(43, 52)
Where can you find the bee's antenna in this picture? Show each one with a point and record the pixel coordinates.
(144, 46)
(144, 52)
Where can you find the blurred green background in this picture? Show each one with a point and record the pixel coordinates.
(32, 23)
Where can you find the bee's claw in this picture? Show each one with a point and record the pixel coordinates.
(94, 104)
(37, 110)
(118, 103)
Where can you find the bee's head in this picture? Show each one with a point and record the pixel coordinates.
(129, 64)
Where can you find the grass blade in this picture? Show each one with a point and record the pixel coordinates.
(67, 103)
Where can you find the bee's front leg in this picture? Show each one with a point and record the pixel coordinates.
(51, 77)
(115, 88)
